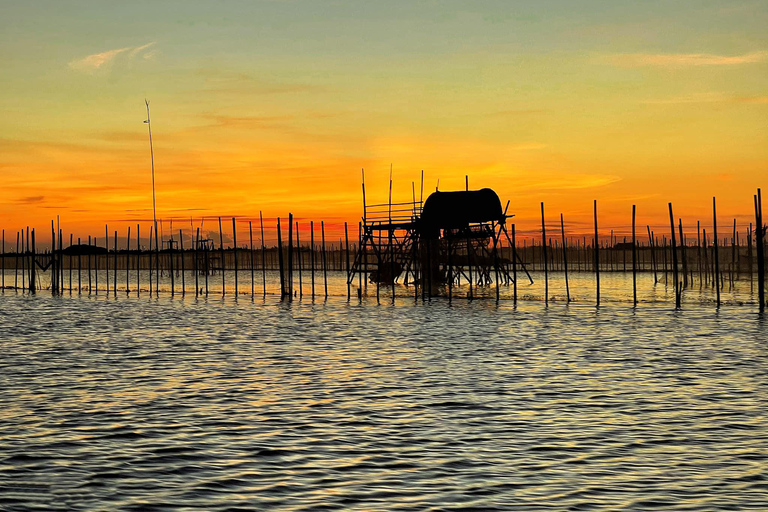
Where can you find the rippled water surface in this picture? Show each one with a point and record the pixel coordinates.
(223, 404)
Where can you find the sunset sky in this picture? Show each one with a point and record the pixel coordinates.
(278, 105)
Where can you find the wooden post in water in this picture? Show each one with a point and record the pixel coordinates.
(364, 262)
(170, 263)
(53, 286)
(717, 256)
(280, 259)
(733, 253)
(115, 268)
(544, 255)
(760, 245)
(196, 264)
(16, 265)
(234, 243)
(54, 263)
(298, 260)
(221, 250)
(71, 242)
(24, 263)
(597, 258)
(253, 274)
(183, 266)
(312, 255)
(634, 258)
(151, 230)
(138, 259)
(127, 262)
(749, 256)
(698, 252)
(683, 255)
(325, 269)
(290, 257)
(346, 239)
(79, 267)
(514, 264)
(565, 260)
(678, 292)
(652, 248)
(32, 278)
(263, 256)
(106, 259)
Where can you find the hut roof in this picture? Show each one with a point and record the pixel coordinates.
(449, 210)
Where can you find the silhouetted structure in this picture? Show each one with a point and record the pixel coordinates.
(452, 236)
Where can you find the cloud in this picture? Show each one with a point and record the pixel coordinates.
(30, 199)
(104, 60)
(634, 60)
(707, 97)
(751, 99)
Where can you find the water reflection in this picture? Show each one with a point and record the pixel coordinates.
(216, 403)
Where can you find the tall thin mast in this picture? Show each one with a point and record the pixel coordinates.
(154, 206)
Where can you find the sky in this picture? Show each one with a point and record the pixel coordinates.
(277, 106)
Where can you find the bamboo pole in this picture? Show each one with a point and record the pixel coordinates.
(717, 256)
(88, 264)
(138, 259)
(127, 261)
(79, 267)
(16, 265)
(514, 264)
(290, 257)
(183, 266)
(760, 245)
(544, 255)
(33, 255)
(151, 231)
(280, 259)
(346, 239)
(263, 256)
(298, 260)
(221, 250)
(678, 292)
(597, 258)
(114, 276)
(682, 254)
(312, 254)
(253, 275)
(634, 258)
(106, 258)
(234, 243)
(325, 269)
(196, 263)
(170, 261)
(652, 248)
(565, 260)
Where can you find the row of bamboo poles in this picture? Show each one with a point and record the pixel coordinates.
(708, 260)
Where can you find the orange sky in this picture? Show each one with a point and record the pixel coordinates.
(276, 107)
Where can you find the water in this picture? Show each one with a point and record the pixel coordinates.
(223, 404)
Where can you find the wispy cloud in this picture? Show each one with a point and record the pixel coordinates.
(751, 99)
(670, 60)
(104, 60)
(707, 97)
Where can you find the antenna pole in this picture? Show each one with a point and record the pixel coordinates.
(154, 205)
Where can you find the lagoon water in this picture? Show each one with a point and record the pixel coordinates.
(145, 403)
